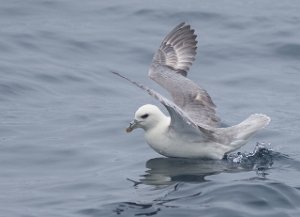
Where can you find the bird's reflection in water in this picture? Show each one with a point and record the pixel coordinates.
(165, 171)
(162, 171)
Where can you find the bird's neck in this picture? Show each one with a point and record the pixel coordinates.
(159, 126)
(157, 135)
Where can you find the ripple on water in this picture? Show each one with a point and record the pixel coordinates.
(13, 89)
(240, 198)
(288, 50)
(175, 195)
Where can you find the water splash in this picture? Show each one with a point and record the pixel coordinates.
(260, 159)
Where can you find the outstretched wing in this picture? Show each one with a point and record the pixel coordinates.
(180, 122)
(177, 50)
(169, 69)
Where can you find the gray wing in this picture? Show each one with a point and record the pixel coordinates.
(169, 69)
(180, 122)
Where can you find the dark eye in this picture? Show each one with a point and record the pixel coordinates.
(144, 116)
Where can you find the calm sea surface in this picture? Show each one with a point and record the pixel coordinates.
(63, 148)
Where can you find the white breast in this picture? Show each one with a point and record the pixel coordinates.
(168, 145)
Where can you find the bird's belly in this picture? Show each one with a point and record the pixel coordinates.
(185, 148)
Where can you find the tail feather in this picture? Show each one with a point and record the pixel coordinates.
(241, 132)
(248, 127)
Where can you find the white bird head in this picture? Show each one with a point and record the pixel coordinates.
(146, 117)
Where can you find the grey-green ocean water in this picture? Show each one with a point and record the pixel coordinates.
(63, 148)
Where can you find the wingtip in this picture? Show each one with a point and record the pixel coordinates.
(184, 23)
(113, 72)
(116, 73)
(178, 49)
